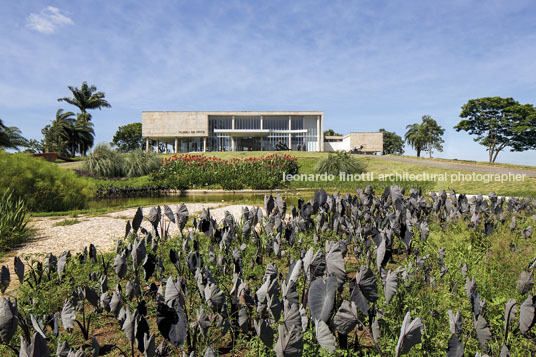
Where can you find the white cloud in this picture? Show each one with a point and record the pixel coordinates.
(48, 20)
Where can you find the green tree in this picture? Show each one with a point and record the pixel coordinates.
(58, 135)
(35, 146)
(83, 135)
(86, 97)
(425, 136)
(331, 132)
(68, 136)
(433, 134)
(128, 137)
(499, 123)
(414, 137)
(392, 143)
(11, 137)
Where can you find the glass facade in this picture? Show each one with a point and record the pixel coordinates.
(219, 141)
(255, 132)
(247, 123)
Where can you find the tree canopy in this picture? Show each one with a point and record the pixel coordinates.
(499, 123)
(331, 132)
(128, 137)
(86, 97)
(11, 137)
(392, 143)
(68, 136)
(425, 136)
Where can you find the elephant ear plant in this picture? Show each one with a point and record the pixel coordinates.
(339, 274)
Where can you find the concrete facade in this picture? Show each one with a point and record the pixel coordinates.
(233, 131)
(365, 142)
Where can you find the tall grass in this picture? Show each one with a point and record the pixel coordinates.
(338, 162)
(13, 221)
(108, 163)
(42, 185)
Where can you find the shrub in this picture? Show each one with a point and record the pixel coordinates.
(140, 163)
(340, 161)
(13, 229)
(42, 185)
(190, 171)
(105, 162)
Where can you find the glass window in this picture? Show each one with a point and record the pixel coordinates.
(297, 122)
(273, 122)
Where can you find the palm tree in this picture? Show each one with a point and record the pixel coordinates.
(84, 134)
(86, 98)
(415, 138)
(58, 134)
(11, 137)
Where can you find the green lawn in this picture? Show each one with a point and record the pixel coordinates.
(376, 167)
(472, 162)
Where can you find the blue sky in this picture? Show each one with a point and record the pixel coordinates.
(366, 64)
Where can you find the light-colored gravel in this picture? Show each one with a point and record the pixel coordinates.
(103, 231)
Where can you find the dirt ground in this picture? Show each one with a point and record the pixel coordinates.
(103, 231)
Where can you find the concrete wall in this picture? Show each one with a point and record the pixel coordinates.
(174, 124)
(337, 145)
(372, 142)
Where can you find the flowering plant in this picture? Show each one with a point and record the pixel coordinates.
(197, 170)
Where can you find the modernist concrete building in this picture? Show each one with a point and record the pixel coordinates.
(234, 131)
(367, 143)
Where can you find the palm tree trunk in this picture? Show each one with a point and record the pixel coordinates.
(418, 152)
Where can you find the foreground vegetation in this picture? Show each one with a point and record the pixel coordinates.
(13, 221)
(201, 171)
(365, 274)
(43, 186)
(105, 162)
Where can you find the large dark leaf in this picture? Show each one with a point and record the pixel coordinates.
(483, 334)
(5, 278)
(525, 282)
(172, 323)
(68, 316)
(289, 342)
(264, 332)
(19, 269)
(116, 303)
(8, 320)
(324, 336)
(214, 296)
(346, 317)
(292, 317)
(455, 346)
(455, 323)
(138, 252)
(181, 217)
(62, 262)
(136, 221)
(390, 285)
(526, 314)
(321, 298)
(169, 213)
(36, 348)
(120, 265)
(410, 334)
(510, 311)
(335, 263)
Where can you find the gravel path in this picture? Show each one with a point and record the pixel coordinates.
(461, 166)
(103, 231)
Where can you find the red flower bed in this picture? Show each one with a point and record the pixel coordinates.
(196, 170)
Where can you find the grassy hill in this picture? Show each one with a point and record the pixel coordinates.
(378, 168)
